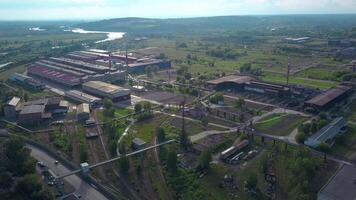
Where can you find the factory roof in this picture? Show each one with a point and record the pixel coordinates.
(14, 101)
(341, 186)
(327, 132)
(81, 96)
(69, 71)
(30, 109)
(231, 78)
(78, 62)
(20, 77)
(268, 85)
(69, 67)
(102, 86)
(58, 76)
(328, 96)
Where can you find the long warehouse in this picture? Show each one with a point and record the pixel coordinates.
(106, 90)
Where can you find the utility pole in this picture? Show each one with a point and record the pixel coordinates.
(183, 137)
(288, 71)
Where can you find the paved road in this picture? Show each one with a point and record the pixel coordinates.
(81, 187)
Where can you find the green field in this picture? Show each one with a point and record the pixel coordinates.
(348, 147)
(279, 124)
(314, 83)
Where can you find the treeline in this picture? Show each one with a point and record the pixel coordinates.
(18, 179)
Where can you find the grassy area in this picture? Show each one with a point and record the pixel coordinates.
(4, 75)
(279, 124)
(309, 82)
(353, 111)
(147, 128)
(121, 112)
(347, 148)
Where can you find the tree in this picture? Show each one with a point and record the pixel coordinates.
(161, 134)
(172, 160)
(6, 180)
(43, 194)
(251, 181)
(324, 148)
(204, 159)
(246, 68)
(149, 71)
(300, 137)
(124, 164)
(240, 103)
(218, 97)
(107, 104)
(204, 121)
(138, 107)
(28, 185)
(323, 116)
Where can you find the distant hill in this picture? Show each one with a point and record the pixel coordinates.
(224, 23)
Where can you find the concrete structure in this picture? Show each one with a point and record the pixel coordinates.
(82, 97)
(326, 133)
(328, 98)
(234, 149)
(83, 112)
(138, 143)
(12, 107)
(342, 186)
(106, 90)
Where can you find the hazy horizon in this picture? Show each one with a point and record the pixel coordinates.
(75, 10)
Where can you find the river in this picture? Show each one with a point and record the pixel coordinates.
(110, 35)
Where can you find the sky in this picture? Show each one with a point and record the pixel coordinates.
(105, 9)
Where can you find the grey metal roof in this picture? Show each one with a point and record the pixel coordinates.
(340, 187)
(31, 109)
(327, 132)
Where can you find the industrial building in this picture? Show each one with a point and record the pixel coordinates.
(33, 114)
(326, 133)
(53, 75)
(246, 83)
(54, 105)
(229, 82)
(83, 112)
(81, 64)
(140, 67)
(27, 81)
(328, 98)
(267, 88)
(106, 90)
(341, 186)
(82, 97)
(12, 108)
